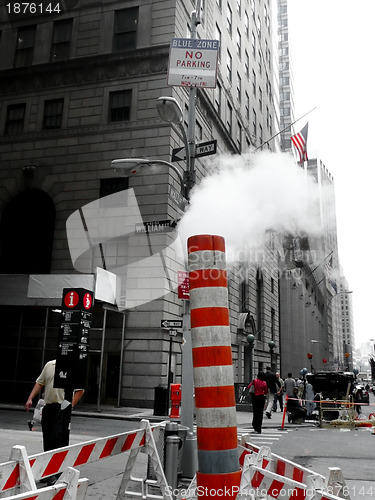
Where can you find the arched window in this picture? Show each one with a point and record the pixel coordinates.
(26, 233)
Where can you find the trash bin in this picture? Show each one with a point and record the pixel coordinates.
(161, 400)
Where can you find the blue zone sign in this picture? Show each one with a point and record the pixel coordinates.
(193, 62)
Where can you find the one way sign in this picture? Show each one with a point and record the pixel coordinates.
(176, 156)
(169, 323)
(206, 148)
(202, 149)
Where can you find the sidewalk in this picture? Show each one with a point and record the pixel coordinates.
(244, 418)
(129, 413)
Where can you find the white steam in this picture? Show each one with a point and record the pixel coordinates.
(248, 195)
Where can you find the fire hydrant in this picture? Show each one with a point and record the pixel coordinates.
(175, 400)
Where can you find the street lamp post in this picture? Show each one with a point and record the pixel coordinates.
(250, 339)
(170, 111)
(310, 356)
(271, 345)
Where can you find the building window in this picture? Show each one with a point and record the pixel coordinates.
(239, 43)
(254, 125)
(239, 87)
(239, 136)
(252, 3)
(125, 33)
(119, 105)
(229, 66)
(113, 185)
(254, 82)
(247, 106)
(247, 65)
(25, 46)
(229, 19)
(198, 131)
(247, 24)
(229, 117)
(253, 44)
(53, 112)
(218, 37)
(15, 119)
(259, 25)
(217, 93)
(61, 40)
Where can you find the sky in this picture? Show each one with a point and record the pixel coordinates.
(332, 44)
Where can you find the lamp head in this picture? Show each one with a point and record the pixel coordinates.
(250, 338)
(169, 110)
(126, 167)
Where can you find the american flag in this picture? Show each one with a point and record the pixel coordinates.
(300, 142)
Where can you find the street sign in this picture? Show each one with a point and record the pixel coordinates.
(176, 157)
(206, 148)
(173, 333)
(193, 62)
(156, 226)
(183, 285)
(177, 198)
(201, 149)
(171, 323)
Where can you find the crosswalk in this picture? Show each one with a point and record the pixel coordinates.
(268, 436)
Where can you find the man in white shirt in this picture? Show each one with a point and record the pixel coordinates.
(56, 412)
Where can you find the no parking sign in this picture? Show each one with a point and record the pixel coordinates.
(193, 62)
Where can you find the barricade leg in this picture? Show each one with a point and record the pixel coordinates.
(335, 482)
(27, 481)
(69, 487)
(151, 450)
(70, 477)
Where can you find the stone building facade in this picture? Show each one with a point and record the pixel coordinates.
(79, 89)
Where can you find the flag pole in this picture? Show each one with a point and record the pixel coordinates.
(283, 130)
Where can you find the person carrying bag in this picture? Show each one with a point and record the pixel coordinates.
(258, 390)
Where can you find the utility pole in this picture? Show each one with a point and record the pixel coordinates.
(189, 462)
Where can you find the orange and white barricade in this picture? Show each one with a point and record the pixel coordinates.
(20, 474)
(266, 475)
(68, 487)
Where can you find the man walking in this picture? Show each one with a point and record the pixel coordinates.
(278, 398)
(273, 385)
(289, 385)
(56, 412)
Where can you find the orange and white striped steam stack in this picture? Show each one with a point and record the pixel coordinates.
(219, 473)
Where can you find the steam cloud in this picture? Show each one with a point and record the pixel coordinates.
(247, 196)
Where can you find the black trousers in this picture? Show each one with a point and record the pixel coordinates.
(258, 407)
(55, 426)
